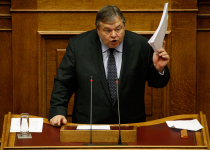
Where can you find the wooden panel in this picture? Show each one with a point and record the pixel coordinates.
(203, 1)
(5, 2)
(86, 21)
(183, 63)
(4, 9)
(5, 23)
(24, 4)
(138, 21)
(5, 75)
(203, 22)
(184, 4)
(157, 102)
(25, 66)
(59, 53)
(204, 9)
(5, 61)
(203, 62)
(203, 71)
(96, 5)
(66, 21)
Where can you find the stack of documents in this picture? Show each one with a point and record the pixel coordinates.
(192, 125)
(156, 41)
(35, 125)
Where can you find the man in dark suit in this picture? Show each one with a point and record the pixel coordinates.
(89, 54)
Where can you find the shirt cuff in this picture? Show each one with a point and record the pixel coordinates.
(162, 73)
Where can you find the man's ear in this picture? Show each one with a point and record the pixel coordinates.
(97, 30)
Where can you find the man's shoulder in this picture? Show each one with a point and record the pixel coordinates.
(86, 34)
(135, 36)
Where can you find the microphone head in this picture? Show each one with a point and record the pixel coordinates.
(116, 80)
(91, 78)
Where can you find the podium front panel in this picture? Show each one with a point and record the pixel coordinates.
(159, 135)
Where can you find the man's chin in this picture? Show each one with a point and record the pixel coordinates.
(113, 45)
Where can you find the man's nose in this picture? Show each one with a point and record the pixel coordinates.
(113, 33)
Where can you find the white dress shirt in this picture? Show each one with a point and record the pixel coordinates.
(117, 55)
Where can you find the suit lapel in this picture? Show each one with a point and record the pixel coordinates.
(127, 58)
(96, 53)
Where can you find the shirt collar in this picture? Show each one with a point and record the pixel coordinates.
(105, 48)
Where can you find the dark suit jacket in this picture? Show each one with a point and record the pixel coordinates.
(83, 59)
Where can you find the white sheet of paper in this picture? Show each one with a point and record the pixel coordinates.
(94, 127)
(15, 125)
(192, 125)
(35, 124)
(156, 41)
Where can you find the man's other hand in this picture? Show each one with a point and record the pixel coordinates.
(58, 120)
(160, 60)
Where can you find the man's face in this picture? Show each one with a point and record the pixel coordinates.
(112, 34)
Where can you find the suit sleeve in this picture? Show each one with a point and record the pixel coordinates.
(64, 84)
(155, 79)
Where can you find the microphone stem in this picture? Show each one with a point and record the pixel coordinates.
(119, 141)
(91, 103)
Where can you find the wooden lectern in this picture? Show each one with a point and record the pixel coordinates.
(150, 135)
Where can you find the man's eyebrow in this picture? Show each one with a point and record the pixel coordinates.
(118, 26)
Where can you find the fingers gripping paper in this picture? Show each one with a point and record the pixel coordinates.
(156, 41)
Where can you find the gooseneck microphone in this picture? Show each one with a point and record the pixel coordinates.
(91, 110)
(119, 140)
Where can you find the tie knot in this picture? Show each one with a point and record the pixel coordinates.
(111, 50)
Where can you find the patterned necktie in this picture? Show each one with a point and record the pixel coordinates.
(112, 74)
